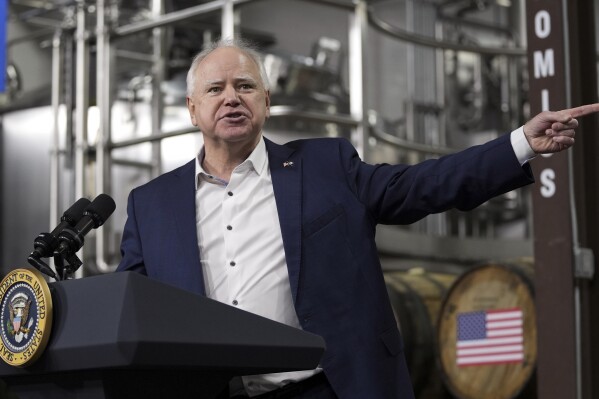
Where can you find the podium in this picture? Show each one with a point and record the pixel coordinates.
(123, 335)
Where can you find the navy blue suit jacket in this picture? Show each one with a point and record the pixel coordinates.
(329, 203)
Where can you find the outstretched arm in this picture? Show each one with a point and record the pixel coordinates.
(550, 132)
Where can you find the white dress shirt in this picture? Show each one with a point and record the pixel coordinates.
(241, 250)
(241, 246)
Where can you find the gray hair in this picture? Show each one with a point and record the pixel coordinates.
(241, 44)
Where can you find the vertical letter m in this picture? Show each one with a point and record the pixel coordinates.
(544, 65)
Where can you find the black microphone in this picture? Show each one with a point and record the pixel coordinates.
(45, 244)
(94, 216)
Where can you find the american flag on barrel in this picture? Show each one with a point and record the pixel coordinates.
(490, 337)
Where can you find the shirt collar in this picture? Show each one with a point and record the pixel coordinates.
(257, 160)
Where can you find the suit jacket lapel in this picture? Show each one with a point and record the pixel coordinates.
(286, 173)
(183, 198)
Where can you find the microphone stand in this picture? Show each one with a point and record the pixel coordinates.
(40, 265)
(73, 263)
(65, 261)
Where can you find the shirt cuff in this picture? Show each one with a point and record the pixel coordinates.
(522, 149)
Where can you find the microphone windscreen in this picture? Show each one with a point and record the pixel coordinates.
(100, 209)
(75, 212)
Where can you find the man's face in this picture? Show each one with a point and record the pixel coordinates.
(229, 103)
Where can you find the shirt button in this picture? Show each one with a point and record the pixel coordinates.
(235, 302)
(230, 193)
(229, 227)
(232, 263)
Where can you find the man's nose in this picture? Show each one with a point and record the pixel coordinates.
(231, 96)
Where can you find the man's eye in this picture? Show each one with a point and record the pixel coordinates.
(246, 86)
(214, 90)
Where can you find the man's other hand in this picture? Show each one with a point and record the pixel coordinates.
(550, 132)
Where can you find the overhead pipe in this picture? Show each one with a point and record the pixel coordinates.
(388, 29)
(409, 37)
(175, 16)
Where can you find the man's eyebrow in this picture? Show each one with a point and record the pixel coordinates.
(245, 78)
(241, 78)
(213, 82)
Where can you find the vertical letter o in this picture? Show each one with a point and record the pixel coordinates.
(542, 24)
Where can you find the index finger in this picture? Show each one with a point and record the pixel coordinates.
(583, 110)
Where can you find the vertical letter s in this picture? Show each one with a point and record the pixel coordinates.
(548, 183)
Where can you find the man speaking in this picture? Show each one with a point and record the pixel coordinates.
(288, 231)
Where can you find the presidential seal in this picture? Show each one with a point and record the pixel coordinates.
(25, 317)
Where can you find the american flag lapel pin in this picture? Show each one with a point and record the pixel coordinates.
(287, 163)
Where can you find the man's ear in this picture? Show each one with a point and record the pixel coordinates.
(191, 107)
(267, 99)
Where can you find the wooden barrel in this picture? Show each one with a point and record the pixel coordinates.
(486, 332)
(416, 297)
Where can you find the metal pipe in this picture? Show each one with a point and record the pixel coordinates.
(44, 22)
(31, 36)
(410, 145)
(410, 71)
(276, 111)
(401, 34)
(81, 100)
(103, 138)
(69, 77)
(228, 20)
(134, 56)
(128, 162)
(286, 110)
(477, 24)
(440, 77)
(81, 105)
(55, 150)
(358, 27)
(36, 10)
(102, 96)
(154, 137)
(573, 214)
(175, 16)
(334, 3)
(158, 77)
